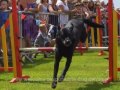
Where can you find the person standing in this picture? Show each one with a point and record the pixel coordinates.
(64, 9)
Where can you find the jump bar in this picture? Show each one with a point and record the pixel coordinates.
(91, 48)
(38, 49)
(104, 37)
(53, 48)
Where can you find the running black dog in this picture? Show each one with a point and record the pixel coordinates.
(66, 41)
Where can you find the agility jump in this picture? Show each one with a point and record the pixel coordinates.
(13, 23)
(113, 45)
(4, 45)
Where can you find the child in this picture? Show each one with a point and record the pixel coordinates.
(42, 39)
(3, 17)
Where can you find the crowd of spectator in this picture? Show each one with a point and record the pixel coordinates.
(36, 26)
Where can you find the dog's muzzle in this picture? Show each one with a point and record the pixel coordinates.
(67, 42)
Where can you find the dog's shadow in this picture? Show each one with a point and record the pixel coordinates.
(39, 61)
(95, 86)
(36, 81)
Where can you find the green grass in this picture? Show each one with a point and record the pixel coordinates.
(86, 73)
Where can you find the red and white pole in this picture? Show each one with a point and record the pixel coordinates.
(110, 38)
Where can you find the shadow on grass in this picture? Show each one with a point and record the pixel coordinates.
(80, 54)
(3, 80)
(37, 81)
(39, 61)
(87, 53)
(94, 86)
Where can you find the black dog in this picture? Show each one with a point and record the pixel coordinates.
(66, 41)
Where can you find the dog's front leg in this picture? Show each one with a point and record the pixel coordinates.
(56, 67)
(68, 62)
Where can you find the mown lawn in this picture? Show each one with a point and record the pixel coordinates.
(86, 73)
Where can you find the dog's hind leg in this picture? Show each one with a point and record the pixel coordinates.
(68, 62)
(56, 67)
(93, 24)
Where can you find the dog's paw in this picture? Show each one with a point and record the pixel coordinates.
(61, 78)
(54, 84)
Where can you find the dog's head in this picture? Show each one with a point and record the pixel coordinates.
(66, 36)
(52, 31)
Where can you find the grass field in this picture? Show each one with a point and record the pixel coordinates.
(86, 73)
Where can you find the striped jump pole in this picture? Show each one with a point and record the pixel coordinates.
(110, 33)
(4, 46)
(15, 46)
(113, 43)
